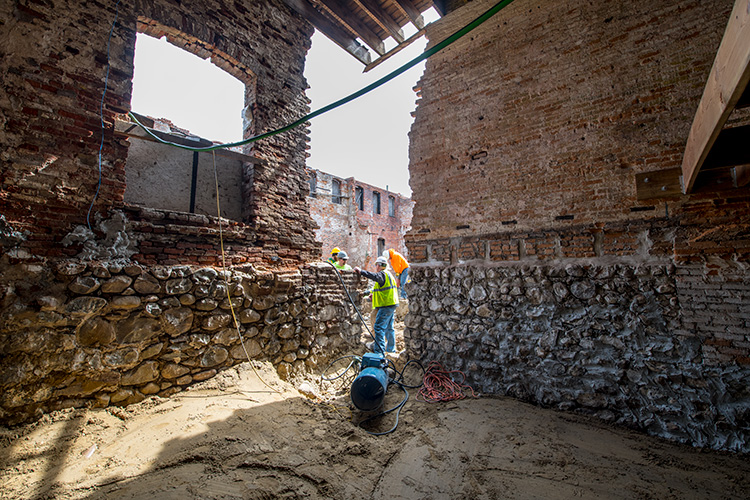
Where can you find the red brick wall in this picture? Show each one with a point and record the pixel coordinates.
(541, 117)
(357, 231)
(54, 78)
(524, 153)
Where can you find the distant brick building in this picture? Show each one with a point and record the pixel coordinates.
(359, 218)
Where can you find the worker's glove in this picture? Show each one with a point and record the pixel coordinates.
(357, 270)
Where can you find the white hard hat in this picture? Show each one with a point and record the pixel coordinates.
(381, 260)
(386, 254)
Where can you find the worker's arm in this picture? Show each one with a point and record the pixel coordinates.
(378, 277)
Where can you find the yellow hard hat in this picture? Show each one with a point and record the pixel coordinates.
(335, 250)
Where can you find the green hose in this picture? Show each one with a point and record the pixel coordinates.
(390, 76)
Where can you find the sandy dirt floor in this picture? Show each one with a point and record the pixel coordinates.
(246, 434)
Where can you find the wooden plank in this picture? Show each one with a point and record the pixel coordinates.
(410, 9)
(381, 17)
(726, 83)
(336, 34)
(731, 148)
(395, 50)
(668, 183)
(345, 16)
(659, 184)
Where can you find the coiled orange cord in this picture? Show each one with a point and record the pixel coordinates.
(440, 386)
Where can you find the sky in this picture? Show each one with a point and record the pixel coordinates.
(366, 138)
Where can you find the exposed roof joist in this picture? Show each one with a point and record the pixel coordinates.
(339, 9)
(333, 31)
(347, 22)
(382, 18)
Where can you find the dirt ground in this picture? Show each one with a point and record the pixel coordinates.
(247, 434)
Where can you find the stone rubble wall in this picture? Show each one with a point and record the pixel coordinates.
(74, 334)
(624, 342)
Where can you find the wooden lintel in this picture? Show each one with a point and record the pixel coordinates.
(338, 9)
(381, 17)
(668, 183)
(726, 83)
(329, 29)
(729, 149)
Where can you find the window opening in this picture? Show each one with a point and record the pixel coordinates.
(336, 192)
(375, 202)
(313, 185)
(391, 206)
(193, 93)
(381, 246)
(359, 197)
(150, 166)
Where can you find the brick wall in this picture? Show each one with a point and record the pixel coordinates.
(65, 291)
(357, 231)
(54, 80)
(527, 139)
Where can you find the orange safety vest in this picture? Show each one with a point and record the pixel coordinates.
(398, 263)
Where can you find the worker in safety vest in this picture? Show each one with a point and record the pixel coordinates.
(334, 254)
(384, 302)
(400, 266)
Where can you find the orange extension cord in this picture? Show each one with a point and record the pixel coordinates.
(439, 386)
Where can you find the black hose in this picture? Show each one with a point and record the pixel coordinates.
(375, 342)
(398, 407)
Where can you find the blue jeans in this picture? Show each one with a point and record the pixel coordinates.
(402, 278)
(385, 335)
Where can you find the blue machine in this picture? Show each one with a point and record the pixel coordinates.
(368, 389)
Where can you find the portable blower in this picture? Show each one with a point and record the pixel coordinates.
(368, 389)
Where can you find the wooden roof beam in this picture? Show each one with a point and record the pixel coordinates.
(329, 29)
(344, 15)
(411, 11)
(382, 18)
(726, 83)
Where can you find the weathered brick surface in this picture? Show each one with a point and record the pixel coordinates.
(55, 65)
(356, 231)
(541, 117)
(54, 79)
(527, 138)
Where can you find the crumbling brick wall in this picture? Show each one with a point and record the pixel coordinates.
(102, 302)
(535, 266)
(356, 231)
(55, 73)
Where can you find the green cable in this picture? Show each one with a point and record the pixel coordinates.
(390, 76)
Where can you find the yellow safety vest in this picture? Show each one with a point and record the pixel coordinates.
(386, 295)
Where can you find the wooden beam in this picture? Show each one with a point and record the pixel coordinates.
(381, 17)
(668, 183)
(345, 16)
(395, 50)
(330, 29)
(731, 148)
(726, 83)
(411, 11)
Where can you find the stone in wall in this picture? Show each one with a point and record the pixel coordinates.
(606, 340)
(99, 333)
